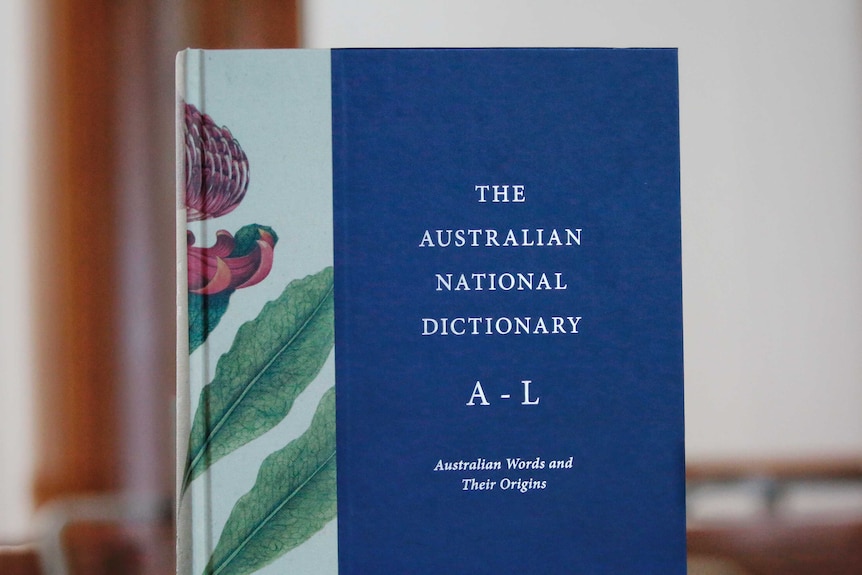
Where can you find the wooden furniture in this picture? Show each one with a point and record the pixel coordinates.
(773, 541)
(19, 560)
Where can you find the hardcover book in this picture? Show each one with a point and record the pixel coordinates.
(430, 312)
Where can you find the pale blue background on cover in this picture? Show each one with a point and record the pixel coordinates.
(277, 105)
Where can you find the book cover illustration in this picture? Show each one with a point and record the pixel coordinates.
(453, 274)
(254, 482)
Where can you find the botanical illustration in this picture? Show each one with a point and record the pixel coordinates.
(273, 358)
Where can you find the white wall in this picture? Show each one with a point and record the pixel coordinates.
(16, 433)
(771, 130)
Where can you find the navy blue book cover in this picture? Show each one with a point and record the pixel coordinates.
(507, 295)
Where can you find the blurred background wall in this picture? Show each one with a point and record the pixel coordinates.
(771, 131)
(17, 38)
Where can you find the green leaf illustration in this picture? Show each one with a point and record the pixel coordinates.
(293, 498)
(273, 358)
(205, 313)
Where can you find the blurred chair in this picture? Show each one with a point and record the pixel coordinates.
(107, 534)
(699, 565)
(97, 535)
(19, 560)
(804, 517)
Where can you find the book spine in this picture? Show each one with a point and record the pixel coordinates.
(183, 419)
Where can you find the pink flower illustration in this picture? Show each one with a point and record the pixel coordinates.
(217, 172)
(216, 168)
(225, 267)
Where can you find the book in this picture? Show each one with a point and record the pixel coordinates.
(430, 312)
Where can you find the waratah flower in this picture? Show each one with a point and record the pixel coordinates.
(231, 263)
(216, 168)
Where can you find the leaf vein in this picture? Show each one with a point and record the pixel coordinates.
(263, 522)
